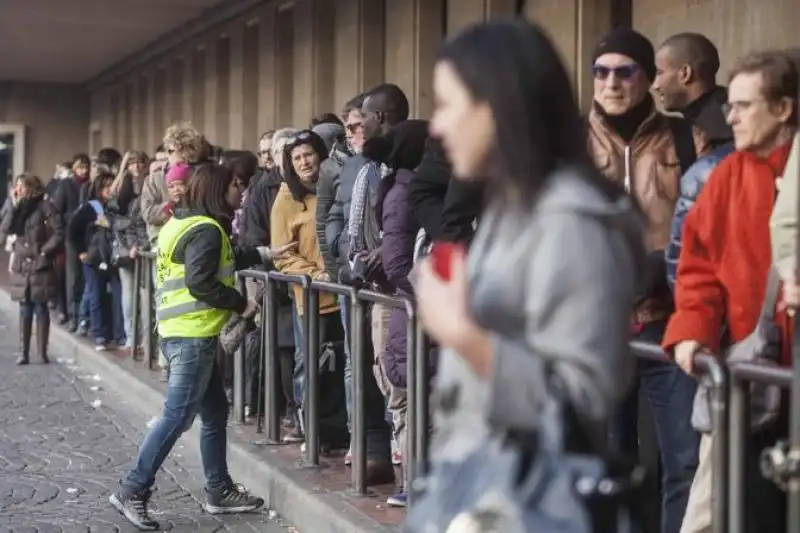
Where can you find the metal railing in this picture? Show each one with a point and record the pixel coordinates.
(741, 376)
(713, 375)
(144, 315)
(728, 385)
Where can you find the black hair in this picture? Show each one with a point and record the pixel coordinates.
(296, 187)
(392, 101)
(160, 149)
(109, 156)
(514, 67)
(325, 118)
(82, 159)
(696, 50)
(243, 164)
(206, 192)
(103, 180)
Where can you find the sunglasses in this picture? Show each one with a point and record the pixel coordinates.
(302, 136)
(625, 72)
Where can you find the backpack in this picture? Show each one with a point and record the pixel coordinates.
(100, 247)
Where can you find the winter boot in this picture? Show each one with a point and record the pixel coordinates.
(42, 339)
(25, 330)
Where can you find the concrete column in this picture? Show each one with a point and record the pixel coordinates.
(236, 75)
(223, 91)
(313, 59)
(250, 82)
(463, 13)
(198, 100)
(140, 119)
(575, 36)
(129, 114)
(286, 66)
(162, 120)
(187, 88)
(212, 92)
(358, 47)
(153, 135)
(106, 117)
(267, 96)
(411, 44)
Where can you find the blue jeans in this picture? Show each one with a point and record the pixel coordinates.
(299, 361)
(195, 387)
(105, 309)
(670, 393)
(348, 364)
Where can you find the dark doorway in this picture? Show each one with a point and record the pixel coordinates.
(6, 164)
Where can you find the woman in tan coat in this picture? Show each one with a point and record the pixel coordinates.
(293, 220)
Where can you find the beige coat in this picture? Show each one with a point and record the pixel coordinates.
(784, 221)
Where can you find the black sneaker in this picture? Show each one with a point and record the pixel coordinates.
(134, 508)
(233, 499)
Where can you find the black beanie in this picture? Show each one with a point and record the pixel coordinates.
(629, 43)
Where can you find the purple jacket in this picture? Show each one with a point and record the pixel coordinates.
(397, 253)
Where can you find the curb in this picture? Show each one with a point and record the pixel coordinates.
(306, 509)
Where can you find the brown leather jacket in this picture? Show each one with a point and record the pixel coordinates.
(654, 179)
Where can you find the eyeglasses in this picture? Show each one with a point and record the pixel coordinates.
(353, 127)
(624, 72)
(739, 106)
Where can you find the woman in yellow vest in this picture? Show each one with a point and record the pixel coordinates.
(195, 296)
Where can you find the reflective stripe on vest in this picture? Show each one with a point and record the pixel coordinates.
(178, 313)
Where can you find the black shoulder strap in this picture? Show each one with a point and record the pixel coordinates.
(684, 142)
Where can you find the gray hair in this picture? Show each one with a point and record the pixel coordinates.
(279, 140)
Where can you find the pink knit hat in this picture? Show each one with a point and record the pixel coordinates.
(180, 172)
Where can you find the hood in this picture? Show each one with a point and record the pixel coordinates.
(711, 118)
(400, 147)
(272, 178)
(330, 133)
(567, 190)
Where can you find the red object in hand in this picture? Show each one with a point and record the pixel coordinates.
(442, 255)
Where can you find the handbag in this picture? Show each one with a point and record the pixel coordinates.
(503, 488)
(762, 346)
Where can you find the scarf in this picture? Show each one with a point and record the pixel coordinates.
(22, 211)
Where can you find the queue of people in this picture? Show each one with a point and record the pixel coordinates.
(535, 242)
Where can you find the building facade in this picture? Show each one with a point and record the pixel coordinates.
(243, 66)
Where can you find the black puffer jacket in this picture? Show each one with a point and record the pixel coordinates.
(260, 199)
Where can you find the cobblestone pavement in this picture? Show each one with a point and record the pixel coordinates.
(65, 443)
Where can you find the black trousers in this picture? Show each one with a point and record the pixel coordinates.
(74, 282)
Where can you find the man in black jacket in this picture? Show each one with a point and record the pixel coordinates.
(446, 208)
(686, 72)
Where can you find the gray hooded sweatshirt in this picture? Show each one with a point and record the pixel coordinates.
(555, 281)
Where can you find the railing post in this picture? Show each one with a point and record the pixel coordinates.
(422, 384)
(136, 297)
(239, 370)
(359, 439)
(717, 378)
(738, 422)
(272, 383)
(148, 308)
(412, 397)
(311, 396)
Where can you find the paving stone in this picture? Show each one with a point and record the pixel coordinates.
(60, 458)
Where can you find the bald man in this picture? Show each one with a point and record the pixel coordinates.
(686, 71)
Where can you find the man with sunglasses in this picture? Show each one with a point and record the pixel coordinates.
(646, 152)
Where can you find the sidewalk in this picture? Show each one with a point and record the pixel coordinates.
(314, 500)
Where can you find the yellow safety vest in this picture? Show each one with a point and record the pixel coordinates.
(179, 314)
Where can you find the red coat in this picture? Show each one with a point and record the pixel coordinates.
(726, 254)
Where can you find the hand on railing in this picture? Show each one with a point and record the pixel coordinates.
(685, 352)
(251, 309)
(278, 252)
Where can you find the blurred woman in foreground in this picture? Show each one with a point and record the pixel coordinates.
(550, 279)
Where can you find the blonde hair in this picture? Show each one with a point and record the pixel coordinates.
(279, 140)
(185, 140)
